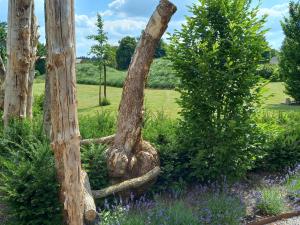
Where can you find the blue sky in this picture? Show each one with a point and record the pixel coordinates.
(129, 17)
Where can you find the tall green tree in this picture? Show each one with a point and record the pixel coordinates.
(3, 35)
(125, 51)
(290, 51)
(101, 50)
(216, 55)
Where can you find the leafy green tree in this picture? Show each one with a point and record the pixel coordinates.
(161, 49)
(124, 52)
(290, 51)
(216, 55)
(40, 64)
(3, 34)
(102, 51)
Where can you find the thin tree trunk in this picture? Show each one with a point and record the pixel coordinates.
(47, 98)
(100, 84)
(2, 81)
(47, 108)
(65, 130)
(34, 43)
(105, 96)
(127, 158)
(18, 64)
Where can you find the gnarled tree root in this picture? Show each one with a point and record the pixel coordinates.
(128, 184)
(146, 172)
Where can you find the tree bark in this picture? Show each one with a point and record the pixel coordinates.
(33, 42)
(90, 212)
(128, 184)
(65, 130)
(47, 108)
(127, 158)
(104, 66)
(18, 63)
(2, 81)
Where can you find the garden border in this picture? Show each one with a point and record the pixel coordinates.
(275, 218)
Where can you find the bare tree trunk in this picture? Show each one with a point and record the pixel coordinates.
(2, 81)
(34, 43)
(100, 84)
(127, 158)
(18, 64)
(47, 100)
(47, 108)
(104, 66)
(65, 130)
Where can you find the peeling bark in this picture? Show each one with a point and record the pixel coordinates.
(65, 130)
(18, 59)
(2, 80)
(33, 42)
(127, 158)
(90, 212)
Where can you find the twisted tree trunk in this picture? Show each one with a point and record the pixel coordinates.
(33, 42)
(2, 81)
(127, 158)
(18, 63)
(65, 130)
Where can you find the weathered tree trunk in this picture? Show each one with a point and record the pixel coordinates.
(47, 108)
(18, 63)
(2, 81)
(90, 212)
(65, 130)
(47, 98)
(104, 66)
(127, 158)
(33, 42)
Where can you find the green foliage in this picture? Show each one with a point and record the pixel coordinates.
(161, 75)
(94, 163)
(3, 34)
(293, 186)
(40, 64)
(272, 201)
(105, 102)
(290, 51)
(281, 149)
(269, 72)
(101, 125)
(38, 105)
(216, 55)
(27, 177)
(161, 49)
(221, 208)
(125, 52)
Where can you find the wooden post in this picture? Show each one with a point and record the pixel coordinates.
(127, 158)
(65, 130)
(18, 55)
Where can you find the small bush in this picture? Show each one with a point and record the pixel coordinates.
(220, 208)
(105, 102)
(269, 72)
(272, 201)
(100, 125)
(28, 179)
(38, 105)
(281, 149)
(94, 163)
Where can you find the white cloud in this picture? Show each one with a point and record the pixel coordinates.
(116, 4)
(275, 11)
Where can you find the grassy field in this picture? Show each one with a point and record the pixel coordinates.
(157, 100)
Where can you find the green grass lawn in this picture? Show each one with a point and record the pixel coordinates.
(157, 100)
